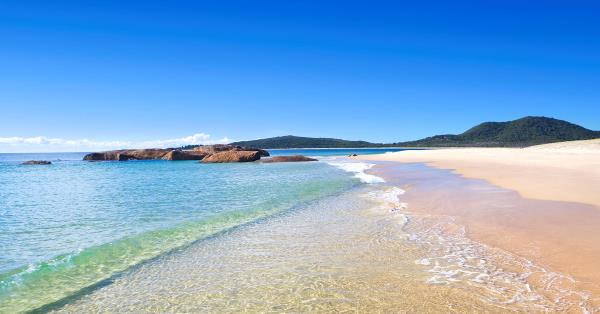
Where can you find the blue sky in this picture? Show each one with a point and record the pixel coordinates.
(80, 75)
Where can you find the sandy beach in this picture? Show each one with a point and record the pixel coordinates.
(565, 171)
(549, 212)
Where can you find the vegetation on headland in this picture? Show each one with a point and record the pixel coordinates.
(517, 133)
(291, 141)
(522, 132)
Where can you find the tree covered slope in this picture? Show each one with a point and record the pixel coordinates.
(517, 133)
(522, 132)
(290, 141)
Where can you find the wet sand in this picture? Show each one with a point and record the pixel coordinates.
(561, 235)
(552, 217)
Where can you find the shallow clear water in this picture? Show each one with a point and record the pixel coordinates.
(339, 254)
(159, 236)
(72, 224)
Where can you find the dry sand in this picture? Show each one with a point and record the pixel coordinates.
(566, 171)
(563, 235)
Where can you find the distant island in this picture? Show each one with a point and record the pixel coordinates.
(291, 141)
(522, 132)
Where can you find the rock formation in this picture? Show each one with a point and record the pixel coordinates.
(128, 154)
(232, 156)
(184, 155)
(236, 154)
(212, 149)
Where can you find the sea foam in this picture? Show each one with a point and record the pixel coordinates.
(390, 197)
(496, 276)
(358, 168)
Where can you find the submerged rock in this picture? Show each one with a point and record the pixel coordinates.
(295, 158)
(36, 162)
(232, 156)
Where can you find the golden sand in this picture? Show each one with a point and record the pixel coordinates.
(561, 171)
(562, 232)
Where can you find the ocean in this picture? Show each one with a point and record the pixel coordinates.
(309, 237)
(70, 225)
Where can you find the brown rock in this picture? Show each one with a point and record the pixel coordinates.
(295, 158)
(212, 149)
(98, 156)
(36, 162)
(184, 155)
(124, 157)
(128, 154)
(232, 156)
(198, 153)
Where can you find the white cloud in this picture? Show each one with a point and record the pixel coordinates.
(196, 139)
(42, 140)
(47, 144)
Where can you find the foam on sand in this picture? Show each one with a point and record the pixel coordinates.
(390, 198)
(494, 275)
(497, 276)
(359, 168)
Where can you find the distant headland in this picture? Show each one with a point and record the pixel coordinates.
(522, 132)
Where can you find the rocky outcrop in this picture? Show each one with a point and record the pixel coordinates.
(236, 154)
(184, 155)
(36, 162)
(232, 156)
(128, 154)
(212, 149)
(295, 158)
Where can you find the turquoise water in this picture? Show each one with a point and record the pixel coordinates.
(73, 224)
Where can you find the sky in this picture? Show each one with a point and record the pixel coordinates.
(88, 75)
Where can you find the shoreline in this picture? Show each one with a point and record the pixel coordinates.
(290, 263)
(545, 172)
(506, 209)
(418, 237)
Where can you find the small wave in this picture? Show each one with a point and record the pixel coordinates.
(358, 168)
(497, 276)
(35, 285)
(390, 197)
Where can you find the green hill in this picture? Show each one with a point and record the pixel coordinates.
(522, 132)
(291, 141)
(517, 133)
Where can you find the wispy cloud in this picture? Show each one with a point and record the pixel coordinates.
(195, 139)
(49, 144)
